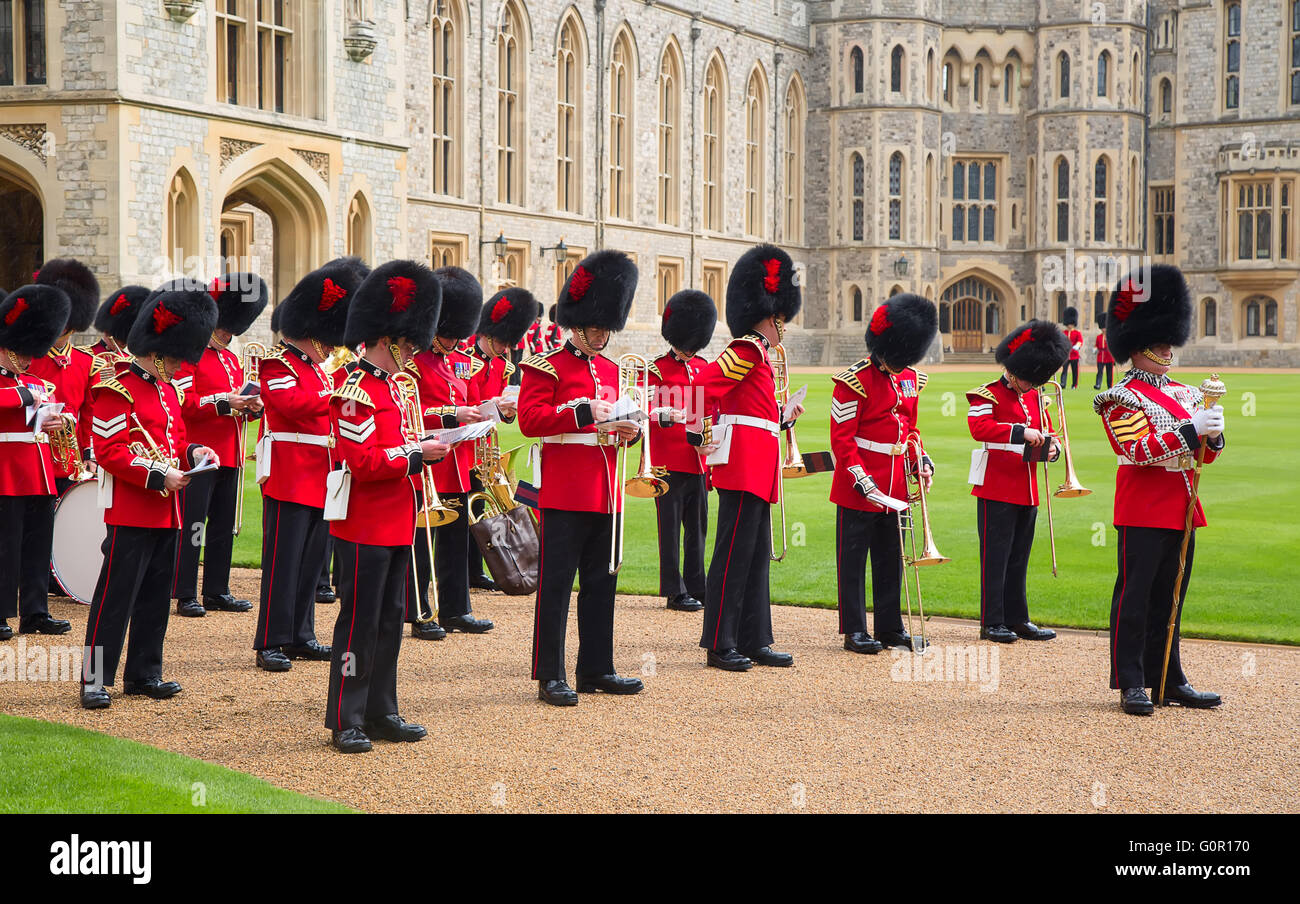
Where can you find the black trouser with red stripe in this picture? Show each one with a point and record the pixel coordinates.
(26, 536)
(131, 591)
(686, 504)
(293, 548)
(737, 605)
(858, 534)
(367, 634)
(1006, 532)
(209, 498)
(1139, 608)
(450, 568)
(579, 544)
(1071, 366)
(1110, 375)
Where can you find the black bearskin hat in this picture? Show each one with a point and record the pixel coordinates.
(31, 318)
(80, 285)
(1034, 351)
(400, 299)
(462, 303)
(175, 321)
(1070, 317)
(507, 315)
(761, 286)
(1101, 320)
(550, 314)
(317, 308)
(240, 298)
(689, 319)
(1154, 312)
(117, 314)
(902, 329)
(598, 293)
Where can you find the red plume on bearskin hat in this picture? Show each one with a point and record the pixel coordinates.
(175, 321)
(598, 293)
(762, 285)
(689, 319)
(400, 299)
(32, 317)
(902, 329)
(317, 308)
(1034, 351)
(117, 314)
(1154, 312)
(507, 315)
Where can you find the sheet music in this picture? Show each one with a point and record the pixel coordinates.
(796, 399)
(463, 433)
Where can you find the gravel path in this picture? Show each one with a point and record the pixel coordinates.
(1035, 729)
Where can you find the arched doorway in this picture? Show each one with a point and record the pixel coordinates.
(22, 232)
(273, 221)
(975, 314)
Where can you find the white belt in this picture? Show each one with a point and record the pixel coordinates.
(1006, 447)
(304, 439)
(882, 448)
(21, 438)
(576, 439)
(1181, 463)
(744, 420)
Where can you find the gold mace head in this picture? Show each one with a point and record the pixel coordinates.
(1212, 389)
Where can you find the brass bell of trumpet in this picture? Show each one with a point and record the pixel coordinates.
(634, 378)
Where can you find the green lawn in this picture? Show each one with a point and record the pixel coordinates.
(52, 768)
(1243, 581)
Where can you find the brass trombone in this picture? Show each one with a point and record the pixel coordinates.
(914, 558)
(1071, 487)
(792, 464)
(633, 378)
(251, 361)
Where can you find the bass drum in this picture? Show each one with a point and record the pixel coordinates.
(79, 532)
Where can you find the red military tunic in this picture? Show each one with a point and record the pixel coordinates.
(1076, 343)
(493, 378)
(672, 382)
(296, 394)
(1148, 422)
(448, 382)
(998, 417)
(741, 386)
(1103, 350)
(366, 420)
(70, 369)
(26, 465)
(133, 484)
(873, 412)
(577, 469)
(209, 419)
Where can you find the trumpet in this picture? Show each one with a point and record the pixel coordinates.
(66, 449)
(149, 449)
(342, 356)
(633, 376)
(251, 361)
(432, 512)
(914, 558)
(1071, 487)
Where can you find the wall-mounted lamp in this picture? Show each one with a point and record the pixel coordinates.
(561, 251)
(499, 246)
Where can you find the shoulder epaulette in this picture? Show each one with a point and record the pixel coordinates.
(509, 368)
(849, 377)
(351, 390)
(49, 387)
(540, 362)
(654, 369)
(113, 384)
(921, 380)
(276, 354)
(475, 365)
(100, 364)
(983, 392)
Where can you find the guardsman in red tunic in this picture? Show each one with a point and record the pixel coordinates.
(563, 396)
(1156, 426)
(873, 414)
(1105, 360)
(762, 296)
(114, 320)
(688, 322)
(70, 368)
(216, 409)
(295, 454)
(1075, 338)
(554, 335)
(1007, 417)
(373, 505)
(502, 322)
(31, 318)
(449, 387)
(143, 455)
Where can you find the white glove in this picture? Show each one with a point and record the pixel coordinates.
(1208, 421)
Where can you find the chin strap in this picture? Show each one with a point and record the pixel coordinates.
(161, 367)
(320, 349)
(1152, 356)
(398, 359)
(779, 323)
(217, 343)
(13, 362)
